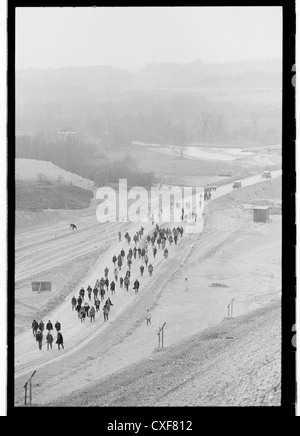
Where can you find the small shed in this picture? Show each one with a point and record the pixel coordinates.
(261, 214)
(41, 286)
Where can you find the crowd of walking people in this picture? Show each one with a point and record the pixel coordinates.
(88, 302)
(38, 334)
(143, 251)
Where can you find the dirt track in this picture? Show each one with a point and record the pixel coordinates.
(236, 363)
(91, 345)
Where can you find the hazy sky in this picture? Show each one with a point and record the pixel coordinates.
(130, 37)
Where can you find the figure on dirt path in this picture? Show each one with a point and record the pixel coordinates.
(126, 282)
(142, 270)
(121, 282)
(89, 291)
(34, 327)
(150, 269)
(120, 236)
(73, 227)
(81, 293)
(148, 317)
(39, 338)
(60, 340)
(136, 286)
(41, 326)
(116, 273)
(102, 293)
(106, 271)
(78, 308)
(82, 314)
(49, 326)
(186, 284)
(79, 300)
(146, 259)
(57, 326)
(112, 287)
(97, 304)
(92, 313)
(86, 308)
(108, 303)
(105, 312)
(73, 302)
(49, 340)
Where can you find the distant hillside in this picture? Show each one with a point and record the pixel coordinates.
(163, 103)
(94, 82)
(266, 72)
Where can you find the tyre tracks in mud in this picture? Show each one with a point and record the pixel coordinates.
(129, 318)
(59, 251)
(122, 325)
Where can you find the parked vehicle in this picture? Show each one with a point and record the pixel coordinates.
(266, 175)
(237, 184)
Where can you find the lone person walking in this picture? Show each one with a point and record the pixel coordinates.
(148, 317)
(186, 284)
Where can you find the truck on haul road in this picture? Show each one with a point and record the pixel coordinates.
(266, 175)
(237, 184)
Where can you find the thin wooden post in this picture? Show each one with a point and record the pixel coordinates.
(30, 389)
(158, 337)
(161, 331)
(25, 400)
(30, 393)
(230, 309)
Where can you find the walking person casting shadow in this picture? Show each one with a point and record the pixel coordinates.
(148, 317)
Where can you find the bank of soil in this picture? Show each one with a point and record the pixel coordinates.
(236, 363)
(30, 196)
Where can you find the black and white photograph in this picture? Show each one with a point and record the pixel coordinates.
(149, 178)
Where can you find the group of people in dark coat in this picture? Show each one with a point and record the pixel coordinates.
(84, 309)
(38, 334)
(157, 239)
